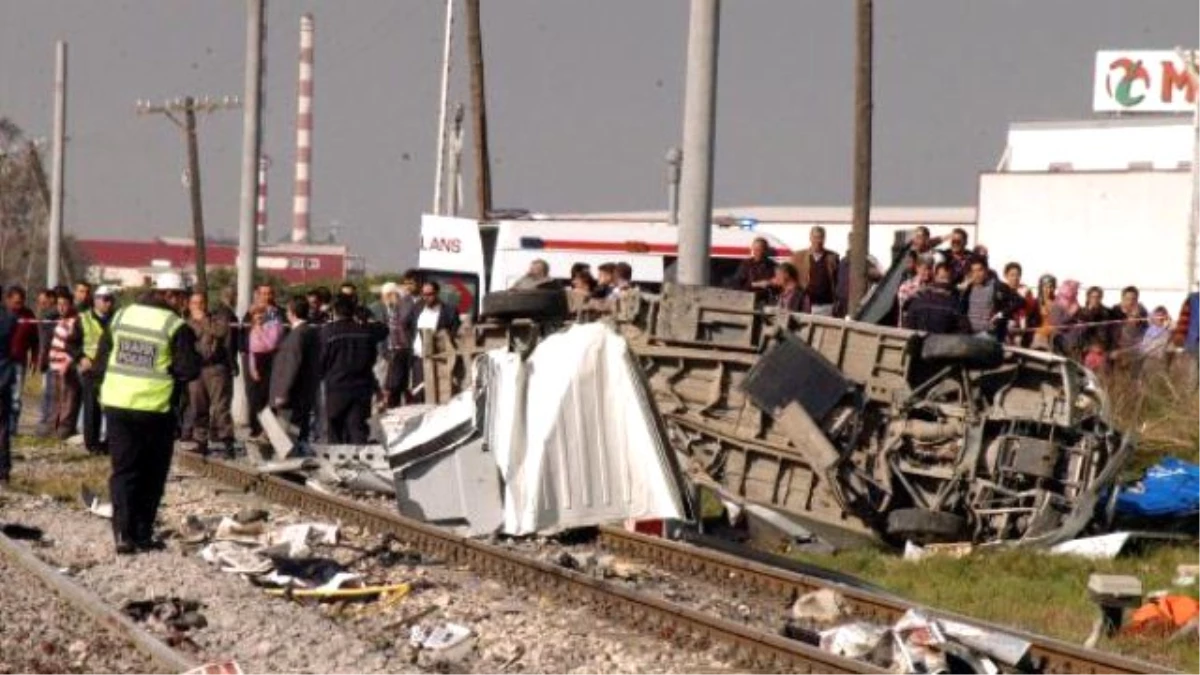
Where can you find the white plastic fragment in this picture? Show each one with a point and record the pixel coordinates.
(855, 640)
(439, 638)
(1102, 547)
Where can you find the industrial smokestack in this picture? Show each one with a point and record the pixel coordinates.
(304, 126)
(260, 213)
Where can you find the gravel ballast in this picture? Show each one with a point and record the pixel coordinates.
(513, 629)
(42, 633)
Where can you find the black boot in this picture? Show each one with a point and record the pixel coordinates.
(124, 545)
(144, 539)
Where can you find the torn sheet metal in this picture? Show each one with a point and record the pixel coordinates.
(594, 450)
(567, 438)
(443, 471)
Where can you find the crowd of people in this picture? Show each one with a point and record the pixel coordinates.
(313, 360)
(125, 377)
(956, 289)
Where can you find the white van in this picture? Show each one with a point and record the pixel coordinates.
(469, 258)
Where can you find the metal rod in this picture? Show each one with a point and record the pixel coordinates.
(860, 234)
(699, 134)
(193, 158)
(674, 159)
(443, 95)
(453, 175)
(483, 172)
(57, 167)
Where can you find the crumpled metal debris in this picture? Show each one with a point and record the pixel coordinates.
(919, 643)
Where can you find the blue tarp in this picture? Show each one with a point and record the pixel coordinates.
(1170, 489)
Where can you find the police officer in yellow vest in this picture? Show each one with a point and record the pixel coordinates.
(83, 346)
(150, 353)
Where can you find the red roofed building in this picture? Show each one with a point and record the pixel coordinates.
(131, 262)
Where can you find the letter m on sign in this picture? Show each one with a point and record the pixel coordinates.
(1177, 78)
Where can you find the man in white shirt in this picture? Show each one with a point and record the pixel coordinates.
(435, 316)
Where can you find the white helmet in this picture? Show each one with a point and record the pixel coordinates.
(169, 281)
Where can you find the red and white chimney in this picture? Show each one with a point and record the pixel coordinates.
(260, 212)
(304, 126)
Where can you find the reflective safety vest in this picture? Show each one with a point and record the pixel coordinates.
(92, 330)
(60, 360)
(136, 377)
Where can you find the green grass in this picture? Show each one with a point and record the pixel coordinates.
(45, 466)
(1036, 592)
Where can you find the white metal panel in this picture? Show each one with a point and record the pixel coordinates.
(593, 450)
(1105, 229)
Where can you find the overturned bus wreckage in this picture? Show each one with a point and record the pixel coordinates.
(854, 430)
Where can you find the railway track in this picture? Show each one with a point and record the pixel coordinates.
(164, 658)
(758, 649)
(1049, 655)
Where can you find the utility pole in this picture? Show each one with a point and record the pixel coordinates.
(55, 227)
(674, 160)
(860, 233)
(483, 172)
(247, 202)
(438, 206)
(699, 134)
(189, 106)
(1191, 60)
(251, 145)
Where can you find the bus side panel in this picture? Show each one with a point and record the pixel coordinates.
(511, 264)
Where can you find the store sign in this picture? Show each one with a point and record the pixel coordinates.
(1142, 81)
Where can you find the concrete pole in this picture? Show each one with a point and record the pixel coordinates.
(439, 182)
(251, 150)
(57, 177)
(699, 134)
(674, 159)
(251, 144)
(860, 232)
(483, 171)
(193, 158)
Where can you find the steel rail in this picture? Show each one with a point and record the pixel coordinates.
(1049, 655)
(163, 656)
(756, 649)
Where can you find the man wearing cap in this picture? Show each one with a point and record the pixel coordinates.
(150, 353)
(83, 346)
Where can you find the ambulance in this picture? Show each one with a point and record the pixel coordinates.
(469, 258)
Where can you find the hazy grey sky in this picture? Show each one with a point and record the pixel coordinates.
(584, 96)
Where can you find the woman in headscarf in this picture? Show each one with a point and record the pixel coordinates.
(1039, 320)
(1064, 313)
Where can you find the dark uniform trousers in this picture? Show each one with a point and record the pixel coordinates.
(89, 385)
(141, 444)
(347, 414)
